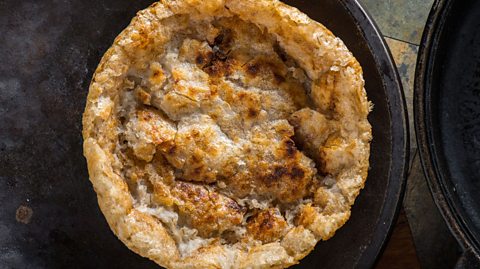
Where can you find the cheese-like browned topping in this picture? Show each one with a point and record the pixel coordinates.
(218, 114)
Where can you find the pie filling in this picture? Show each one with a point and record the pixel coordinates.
(219, 139)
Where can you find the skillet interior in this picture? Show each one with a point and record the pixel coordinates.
(52, 49)
(450, 121)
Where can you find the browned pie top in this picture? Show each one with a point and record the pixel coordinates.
(226, 134)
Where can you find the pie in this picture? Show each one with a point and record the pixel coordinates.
(226, 134)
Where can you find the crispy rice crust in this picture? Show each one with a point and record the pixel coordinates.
(226, 134)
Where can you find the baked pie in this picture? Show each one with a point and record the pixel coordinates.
(226, 134)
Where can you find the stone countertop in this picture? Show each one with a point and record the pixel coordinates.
(402, 23)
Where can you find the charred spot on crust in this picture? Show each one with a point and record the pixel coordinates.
(230, 236)
(204, 59)
(197, 170)
(279, 172)
(253, 69)
(241, 95)
(222, 44)
(219, 39)
(217, 63)
(268, 221)
(268, 179)
(278, 78)
(224, 39)
(322, 169)
(280, 52)
(275, 176)
(213, 70)
(172, 150)
(252, 113)
(200, 60)
(282, 173)
(290, 148)
(297, 173)
(220, 55)
(267, 68)
(219, 68)
(214, 117)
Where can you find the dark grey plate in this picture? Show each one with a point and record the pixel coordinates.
(49, 50)
(447, 116)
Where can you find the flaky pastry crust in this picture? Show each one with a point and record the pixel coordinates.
(226, 134)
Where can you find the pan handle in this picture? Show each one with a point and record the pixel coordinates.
(468, 260)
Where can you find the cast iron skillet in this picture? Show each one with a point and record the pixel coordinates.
(49, 50)
(447, 117)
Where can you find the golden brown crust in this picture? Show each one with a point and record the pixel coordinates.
(207, 211)
(267, 225)
(226, 134)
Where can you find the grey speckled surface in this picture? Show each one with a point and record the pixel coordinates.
(400, 19)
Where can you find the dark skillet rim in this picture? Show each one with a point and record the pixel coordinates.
(425, 133)
(400, 134)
